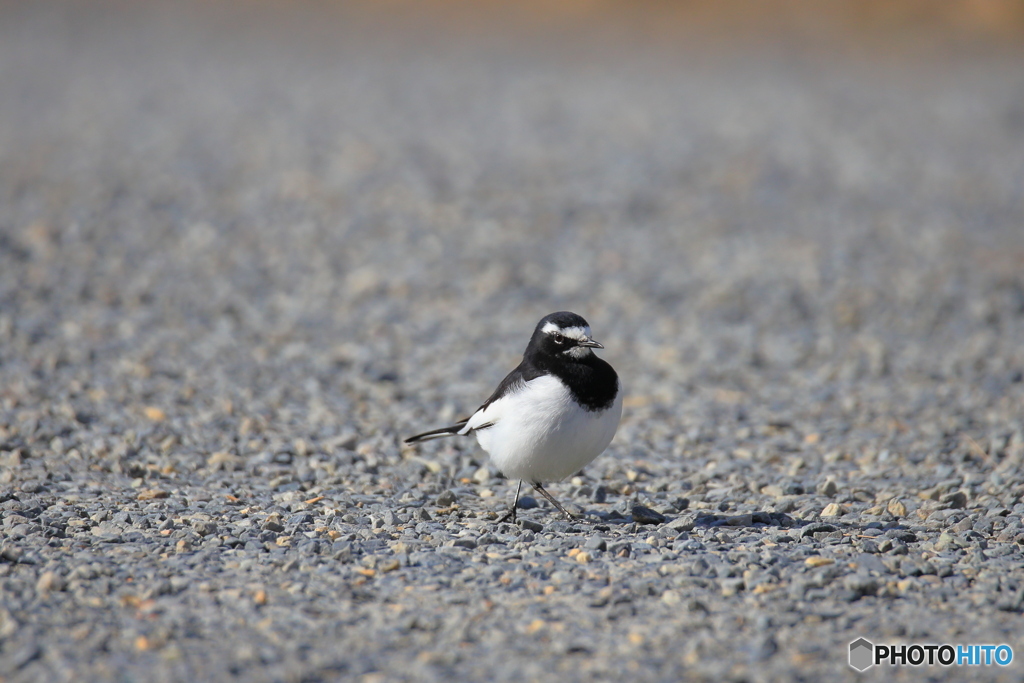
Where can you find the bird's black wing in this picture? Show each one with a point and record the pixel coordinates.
(523, 373)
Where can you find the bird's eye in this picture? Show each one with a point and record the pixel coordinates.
(558, 339)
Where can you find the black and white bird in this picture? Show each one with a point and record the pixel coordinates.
(553, 414)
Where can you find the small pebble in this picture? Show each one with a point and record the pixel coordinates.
(645, 515)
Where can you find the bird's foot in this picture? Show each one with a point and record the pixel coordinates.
(509, 516)
(572, 517)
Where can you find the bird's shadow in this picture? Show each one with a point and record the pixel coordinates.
(687, 520)
(753, 521)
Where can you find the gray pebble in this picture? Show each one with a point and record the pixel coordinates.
(446, 499)
(645, 515)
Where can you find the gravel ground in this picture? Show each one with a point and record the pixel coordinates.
(244, 250)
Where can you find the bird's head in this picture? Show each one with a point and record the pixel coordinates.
(563, 335)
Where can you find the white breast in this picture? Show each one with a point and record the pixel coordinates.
(540, 434)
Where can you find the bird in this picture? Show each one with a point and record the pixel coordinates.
(552, 415)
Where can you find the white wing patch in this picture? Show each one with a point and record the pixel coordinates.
(493, 413)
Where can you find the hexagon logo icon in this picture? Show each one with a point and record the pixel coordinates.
(862, 654)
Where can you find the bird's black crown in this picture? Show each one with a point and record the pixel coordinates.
(563, 319)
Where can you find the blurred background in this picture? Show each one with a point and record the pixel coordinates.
(245, 247)
(350, 215)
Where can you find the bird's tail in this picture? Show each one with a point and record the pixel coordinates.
(437, 433)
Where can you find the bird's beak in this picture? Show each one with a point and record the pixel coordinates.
(592, 344)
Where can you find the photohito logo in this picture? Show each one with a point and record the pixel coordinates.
(865, 654)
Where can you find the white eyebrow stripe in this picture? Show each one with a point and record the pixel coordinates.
(577, 332)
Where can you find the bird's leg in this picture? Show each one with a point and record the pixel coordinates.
(511, 514)
(551, 499)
